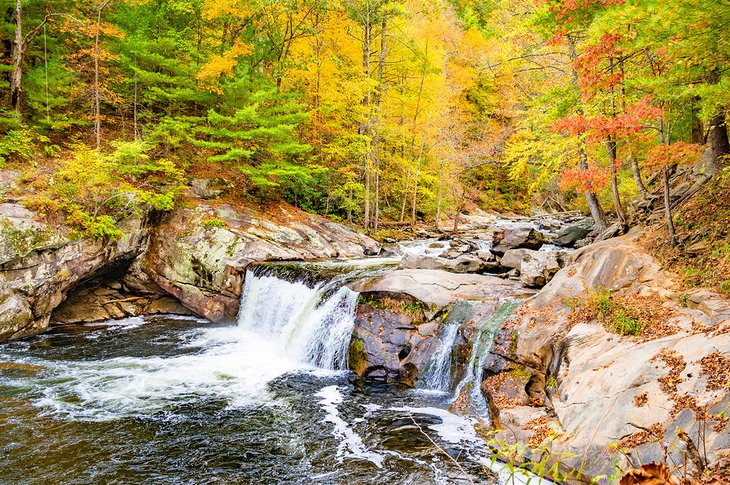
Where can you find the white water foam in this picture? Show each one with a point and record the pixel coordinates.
(452, 429)
(351, 444)
(282, 327)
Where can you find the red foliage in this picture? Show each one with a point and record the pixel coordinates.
(564, 8)
(594, 75)
(601, 127)
(590, 179)
(680, 153)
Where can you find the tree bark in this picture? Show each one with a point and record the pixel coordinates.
(16, 76)
(636, 170)
(717, 138)
(611, 149)
(365, 124)
(375, 140)
(415, 186)
(668, 207)
(593, 205)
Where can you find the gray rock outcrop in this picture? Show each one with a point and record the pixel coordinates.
(515, 237)
(592, 387)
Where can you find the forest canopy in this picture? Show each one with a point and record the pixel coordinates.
(367, 110)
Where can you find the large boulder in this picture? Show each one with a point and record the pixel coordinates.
(594, 388)
(515, 237)
(536, 268)
(39, 267)
(569, 235)
(461, 264)
(401, 315)
(199, 255)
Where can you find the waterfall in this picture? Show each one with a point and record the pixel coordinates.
(312, 325)
(437, 375)
(481, 345)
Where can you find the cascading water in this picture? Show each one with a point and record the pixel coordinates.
(166, 399)
(311, 325)
(481, 344)
(437, 375)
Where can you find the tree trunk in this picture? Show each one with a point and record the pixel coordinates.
(415, 187)
(365, 124)
(16, 76)
(593, 205)
(375, 141)
(405, 196)
(668, 207)
(611, 149)
(439, 197)
(717, 138)
(97, 89)
(459, 206)
(636, 170)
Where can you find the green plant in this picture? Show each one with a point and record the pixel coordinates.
(622, 324)
(213, 222)
(551, 384)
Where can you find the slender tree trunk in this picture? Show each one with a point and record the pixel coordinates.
(593, 205)
(439, 197)
(636, 170)
(376, 121)
(97, 90)
(611, 149)
(365, 128)
(16, 76)
(459, 206)
(415, 186)
(717, 137)
(405, 196)
(668, 207)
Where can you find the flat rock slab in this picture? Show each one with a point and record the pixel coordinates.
(439, 288)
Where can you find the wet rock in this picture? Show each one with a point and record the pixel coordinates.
(569, 235)
(516, 237)
(401, 315)
(40, 267)
(460, 264)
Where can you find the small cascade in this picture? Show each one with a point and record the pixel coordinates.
(437, 375)
(312, 325)
(481, 345)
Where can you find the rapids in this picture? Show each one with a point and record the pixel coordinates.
(266, 400)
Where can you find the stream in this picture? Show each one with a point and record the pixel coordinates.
(268, 399)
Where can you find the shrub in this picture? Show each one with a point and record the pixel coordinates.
(92, 190)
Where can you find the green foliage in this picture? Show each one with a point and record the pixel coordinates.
(20, 144)
(613, 314)
(214, 222)
(94, 190)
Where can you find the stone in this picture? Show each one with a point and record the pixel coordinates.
(516, 237)
(209, 189)
(204, 266)
(460, 264)
(590, 380)
(536, 268)
(569, 235)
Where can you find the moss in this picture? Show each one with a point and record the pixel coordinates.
(357, 361)
(22, 241)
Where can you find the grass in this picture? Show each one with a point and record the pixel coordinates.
(627, 315)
